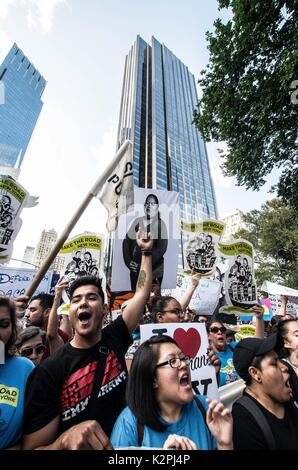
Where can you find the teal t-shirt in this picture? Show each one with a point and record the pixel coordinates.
(13, 377)
(228, 373)
(191, 424)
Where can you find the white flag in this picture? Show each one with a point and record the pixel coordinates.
(117, 193)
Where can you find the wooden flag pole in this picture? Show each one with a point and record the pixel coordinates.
(63, 237)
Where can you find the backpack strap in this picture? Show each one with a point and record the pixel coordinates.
(253, 409)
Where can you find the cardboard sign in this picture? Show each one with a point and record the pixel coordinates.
(193, 341)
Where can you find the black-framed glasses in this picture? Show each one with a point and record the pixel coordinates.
(215, 329)
(177, 311)
(175, 362)
(28, 351)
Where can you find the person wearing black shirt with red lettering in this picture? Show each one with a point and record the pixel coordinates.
(75, 396)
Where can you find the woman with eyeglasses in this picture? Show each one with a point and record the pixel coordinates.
(31, 343)
(224, 350)
(162, 410)
(150, 222)
(14, 372)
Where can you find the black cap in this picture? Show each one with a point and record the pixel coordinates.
(248, 348)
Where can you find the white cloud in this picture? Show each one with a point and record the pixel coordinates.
(219, 180)
(5, 44)
(42, 12)
(4, 6)
(105, 151)
(39, 13)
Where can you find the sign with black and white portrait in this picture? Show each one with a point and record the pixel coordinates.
(156, 212)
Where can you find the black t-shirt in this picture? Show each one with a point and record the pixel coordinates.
(248, 435)
(80, 384)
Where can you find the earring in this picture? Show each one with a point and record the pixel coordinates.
(259, 380)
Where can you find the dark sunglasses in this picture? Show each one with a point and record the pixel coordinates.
(28, 351)
(215, 329)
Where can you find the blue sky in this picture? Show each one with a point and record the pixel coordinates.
(79, 47)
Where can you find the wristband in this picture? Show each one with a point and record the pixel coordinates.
(146, 253)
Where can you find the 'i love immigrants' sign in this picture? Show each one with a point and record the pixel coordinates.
(193, 342)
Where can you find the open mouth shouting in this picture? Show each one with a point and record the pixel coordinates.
(185, 381)
(84, 318)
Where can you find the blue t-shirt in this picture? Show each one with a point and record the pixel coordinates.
(13, 377)
(191, 424)
(227, 369)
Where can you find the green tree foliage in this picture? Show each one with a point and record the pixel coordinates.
(273, 231)
(247, 96)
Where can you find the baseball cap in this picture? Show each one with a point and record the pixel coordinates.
(248, 348)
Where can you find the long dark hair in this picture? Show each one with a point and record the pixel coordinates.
(6, 302)
(140, 395)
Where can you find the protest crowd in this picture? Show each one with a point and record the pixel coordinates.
(82, 381)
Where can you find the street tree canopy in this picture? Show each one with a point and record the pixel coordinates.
(250, 93)
(273, 231)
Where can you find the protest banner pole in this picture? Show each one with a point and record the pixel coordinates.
(63, 237)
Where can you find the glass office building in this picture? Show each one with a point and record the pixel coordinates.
(21, 89)
(158, 98)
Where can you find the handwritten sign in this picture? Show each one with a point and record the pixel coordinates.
(15, 281)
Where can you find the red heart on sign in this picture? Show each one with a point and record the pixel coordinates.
(189, 341)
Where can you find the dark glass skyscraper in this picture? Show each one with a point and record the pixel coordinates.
(158, 98)
(21, 89)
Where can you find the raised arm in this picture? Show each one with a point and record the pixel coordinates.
(55, 341)
(260, 325)
(135, 307)
(184, 301)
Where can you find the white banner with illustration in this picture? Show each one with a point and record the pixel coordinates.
(15, 281)
(83, 256)
(13, 198)
(201, 247)
(192, 339)
(239, 280)
(157, 212)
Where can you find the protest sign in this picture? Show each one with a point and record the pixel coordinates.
(245, 331)
(83, 256)
(13, 198)
(204, 299)
(14, 281)
(239, 281)
(208, 293)
(277, 289)
(156, 212)
(201, 247)
(193, 342)
(291, 308)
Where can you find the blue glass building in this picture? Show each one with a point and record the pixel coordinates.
(158, 98)
(22, 87)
